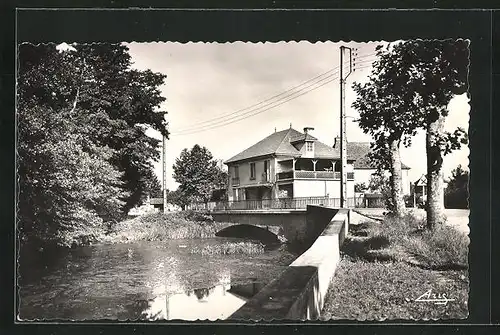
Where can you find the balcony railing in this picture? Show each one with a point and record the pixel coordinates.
(312, 175)
(271, 204)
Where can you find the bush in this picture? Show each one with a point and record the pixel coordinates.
(159, 227)
(397, 229)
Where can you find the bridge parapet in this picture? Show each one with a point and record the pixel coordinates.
(298, 294)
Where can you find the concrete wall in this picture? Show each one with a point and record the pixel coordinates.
(299, 292)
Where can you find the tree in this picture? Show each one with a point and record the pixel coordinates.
(456, 193)
(153, 186)
(177, 198)
(82, 153)
(421, 77)
(382, 108)
(197, 173)
(219, 192)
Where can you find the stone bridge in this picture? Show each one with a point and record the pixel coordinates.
(300, 226)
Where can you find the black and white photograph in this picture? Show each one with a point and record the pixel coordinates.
(243, 181)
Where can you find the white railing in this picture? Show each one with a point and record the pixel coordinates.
(271, 204)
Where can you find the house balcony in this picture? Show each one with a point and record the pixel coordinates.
(333, 175)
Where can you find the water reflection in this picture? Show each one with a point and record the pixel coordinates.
(150, 281)
(208, 303)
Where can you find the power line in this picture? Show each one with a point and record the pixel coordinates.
(365, 55)
(255, 111)
(368, 62)
(258, 111)
(363, 67)
(223, 122)
(196, 125)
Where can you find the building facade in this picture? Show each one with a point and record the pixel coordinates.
(288, 164)
(365, 169)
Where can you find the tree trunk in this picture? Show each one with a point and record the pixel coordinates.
(396, 180)
(435, 195)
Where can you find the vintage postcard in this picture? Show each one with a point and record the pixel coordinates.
(243, 181)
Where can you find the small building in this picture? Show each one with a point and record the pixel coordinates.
(157, 204)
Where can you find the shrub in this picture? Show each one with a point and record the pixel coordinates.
(397, 229)
(159, 226)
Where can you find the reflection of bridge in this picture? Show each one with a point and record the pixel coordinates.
(262, 233)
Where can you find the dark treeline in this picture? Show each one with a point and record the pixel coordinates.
(83, 156)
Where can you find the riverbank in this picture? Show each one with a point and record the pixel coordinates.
(161, 227)
(387, 266)
(157, 227)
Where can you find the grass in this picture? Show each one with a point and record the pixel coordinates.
(386, 266)
(230, 248)
(379, 291)
(161, 227)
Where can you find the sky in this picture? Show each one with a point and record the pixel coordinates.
(209, 85)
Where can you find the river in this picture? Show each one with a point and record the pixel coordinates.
(146, 281)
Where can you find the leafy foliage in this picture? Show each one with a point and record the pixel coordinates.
(379, 183)
(198, 175)
(83, 156)
(161, 227)
(456, 193)
(177, 198)
(410, 87)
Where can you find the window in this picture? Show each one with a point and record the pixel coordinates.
(309, 146)
(236, 172)
(266, 170)
(252, 170)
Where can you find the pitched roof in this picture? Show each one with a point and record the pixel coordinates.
(276, 143)
(280, 143)
(359, 151)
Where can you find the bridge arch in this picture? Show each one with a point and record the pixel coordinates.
(250, 232)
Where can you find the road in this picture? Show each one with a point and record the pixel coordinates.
(458, 218)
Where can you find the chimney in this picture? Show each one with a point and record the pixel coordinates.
(307, 129)
(336, 144)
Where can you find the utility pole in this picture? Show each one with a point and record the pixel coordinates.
(164, 163)
(343, 137)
